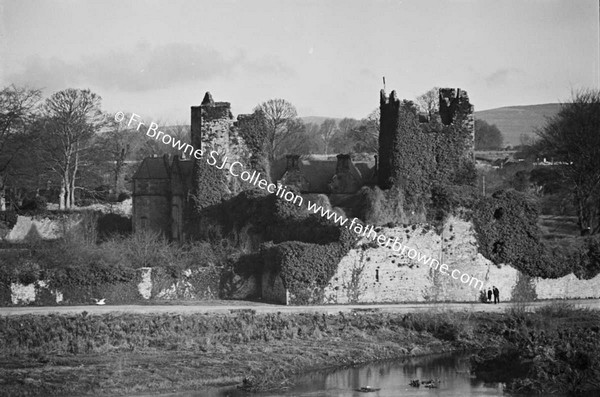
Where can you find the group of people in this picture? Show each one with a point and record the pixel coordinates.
(496, 294)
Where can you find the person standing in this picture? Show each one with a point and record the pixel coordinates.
(489, 295)
(496, 295)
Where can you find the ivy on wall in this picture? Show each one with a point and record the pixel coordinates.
(253, 130)
(413, 163)
(306, 268)
(507, 232)
(210, 185)
(427, 156)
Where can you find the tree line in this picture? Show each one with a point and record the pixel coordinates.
(67, 146)
(68, 149)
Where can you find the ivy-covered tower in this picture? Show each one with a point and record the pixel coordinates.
(415, 151)
(389, 136)
(213, 128)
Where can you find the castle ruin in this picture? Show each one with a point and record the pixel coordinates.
(163, 187)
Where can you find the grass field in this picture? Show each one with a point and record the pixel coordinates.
(130, 353)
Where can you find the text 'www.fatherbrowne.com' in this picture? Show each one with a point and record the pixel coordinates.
(254, 178)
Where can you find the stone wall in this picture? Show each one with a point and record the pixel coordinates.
(568, 286)
(30, 228)
(367, 274)
(150, 284)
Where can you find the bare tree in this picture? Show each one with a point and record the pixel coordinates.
(71, 118)
(347, 124)
(572, 137)
(299, 140)
(282, 123)
(429, 102)
(343, 141)
(117, 145)
(366, 134)
(180, 132)
(327, 131)
(17, 106)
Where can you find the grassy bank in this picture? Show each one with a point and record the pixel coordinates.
(115, 354)
(126, 353)
(553, 350)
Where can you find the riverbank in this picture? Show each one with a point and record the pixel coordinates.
(112, 354)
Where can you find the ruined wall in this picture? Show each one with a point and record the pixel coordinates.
(150, 284)
(213, 127)
(388, 137)
(454, 151)
(210, 124)
(30, 228)
(249, 139)
(367, 275)
(455, 108)
(416, 154)
(567, 287)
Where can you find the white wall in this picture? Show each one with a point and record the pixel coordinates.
(402, 279)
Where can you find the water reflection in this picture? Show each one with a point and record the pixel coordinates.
(391, 377)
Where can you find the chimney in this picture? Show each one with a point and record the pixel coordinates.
(292, 162)
(343, 163)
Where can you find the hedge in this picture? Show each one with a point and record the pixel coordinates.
(306, 268)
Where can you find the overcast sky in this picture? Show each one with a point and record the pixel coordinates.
(157, 58)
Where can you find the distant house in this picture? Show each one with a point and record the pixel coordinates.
(324, 175)
(160, 189)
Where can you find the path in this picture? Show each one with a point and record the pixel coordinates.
(229, 306)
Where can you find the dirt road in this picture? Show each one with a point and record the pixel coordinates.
(232, 306)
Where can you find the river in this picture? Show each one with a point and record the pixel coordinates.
(392, 378)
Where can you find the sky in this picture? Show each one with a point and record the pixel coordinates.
(327, 57)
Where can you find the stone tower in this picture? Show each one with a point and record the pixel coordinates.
(211, 123)
(389, 136)
(455, 117)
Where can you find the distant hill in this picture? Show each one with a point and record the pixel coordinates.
(511, 120)
(516, 120)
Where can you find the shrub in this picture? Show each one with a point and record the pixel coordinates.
(9, 218)
(588, 264)
(210, 186)
(110, 224)
(37, 204)
(85, 202)
(446, 199)
(507, 231)
(78, 264)
(377, 207)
